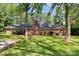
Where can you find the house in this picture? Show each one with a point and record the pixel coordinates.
(35, 29)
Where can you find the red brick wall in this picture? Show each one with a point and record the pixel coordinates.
(36, 28)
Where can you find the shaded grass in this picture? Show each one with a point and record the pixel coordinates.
(10, 37)
(43, 46)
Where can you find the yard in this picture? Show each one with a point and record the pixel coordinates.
(45, 22)
(41, 46)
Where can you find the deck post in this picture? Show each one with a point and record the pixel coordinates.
(26, 33)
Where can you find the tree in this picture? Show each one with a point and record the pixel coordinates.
(11, 10)
(24, 8)
(59, 14)
(68, 25)
(2, 15)
(70, 15)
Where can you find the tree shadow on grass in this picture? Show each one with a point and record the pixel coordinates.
(75, 53)
(44, 46)
(25, 50)
(51, 48)
(47, 47)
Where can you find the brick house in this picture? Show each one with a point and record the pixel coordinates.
(35, 29)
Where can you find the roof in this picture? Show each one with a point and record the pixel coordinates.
(30, 26)
(22, 25)
(45, 25)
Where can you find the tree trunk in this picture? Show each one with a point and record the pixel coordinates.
(26, 20)
(68, 26)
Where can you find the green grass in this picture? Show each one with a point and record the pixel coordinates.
(42, 46)
(10, 37)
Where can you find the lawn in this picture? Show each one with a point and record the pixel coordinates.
(42, 46)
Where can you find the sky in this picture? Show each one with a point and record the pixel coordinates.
(45, 9)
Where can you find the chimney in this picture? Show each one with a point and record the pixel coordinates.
(36, 27)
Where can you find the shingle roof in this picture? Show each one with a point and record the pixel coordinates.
(30, 26)
(51, 26)
(22, 25)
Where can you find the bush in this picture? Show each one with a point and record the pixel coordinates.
(1, 25)
(75, 30)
